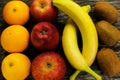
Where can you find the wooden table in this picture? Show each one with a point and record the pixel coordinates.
(30, 52)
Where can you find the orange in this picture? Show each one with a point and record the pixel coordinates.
(15, 38)
(15, 66)
(16, 12)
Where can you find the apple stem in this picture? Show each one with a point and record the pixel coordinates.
(43, 32)
(49, 65)
(43, 5)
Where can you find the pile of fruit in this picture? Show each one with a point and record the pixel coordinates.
(43, 39)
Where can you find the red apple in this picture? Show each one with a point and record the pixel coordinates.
(43, 10)
(45, 36)
(48, 66)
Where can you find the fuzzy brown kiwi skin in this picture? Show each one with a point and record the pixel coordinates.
(107, 33)
(108, 62)
(106, 11)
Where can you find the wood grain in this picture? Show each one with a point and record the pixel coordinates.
(60, 22)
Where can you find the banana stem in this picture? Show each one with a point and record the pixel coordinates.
(93, 73)
(74, 75)
(86, 8)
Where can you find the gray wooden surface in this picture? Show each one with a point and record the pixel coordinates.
(31, 52)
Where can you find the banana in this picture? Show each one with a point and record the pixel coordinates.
(85, 24)
(89, 36)
(72, 52)
(87, 9)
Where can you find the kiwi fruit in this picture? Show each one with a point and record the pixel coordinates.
(108, 62)
(108, 33)
(106, 11)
